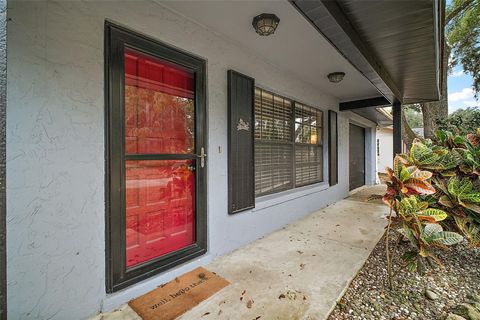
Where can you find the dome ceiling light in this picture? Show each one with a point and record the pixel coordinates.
(265, 24)
(336, 77)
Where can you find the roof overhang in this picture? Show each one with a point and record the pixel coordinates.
(397, 45)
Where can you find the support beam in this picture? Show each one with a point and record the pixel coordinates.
(3, 159)
(397, 128)
(372, 102)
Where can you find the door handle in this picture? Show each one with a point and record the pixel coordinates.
(202, 157)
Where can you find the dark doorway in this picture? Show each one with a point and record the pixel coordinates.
(357, 156)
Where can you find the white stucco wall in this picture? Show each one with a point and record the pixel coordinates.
(385, 152)
(55, 148)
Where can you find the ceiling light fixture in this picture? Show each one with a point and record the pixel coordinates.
(265, 24)
(336, 77)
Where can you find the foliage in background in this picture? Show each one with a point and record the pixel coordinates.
(414, 116)
(435, 192)
(463, 36)
(461, 121)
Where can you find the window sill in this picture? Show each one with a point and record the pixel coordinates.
(288, 195)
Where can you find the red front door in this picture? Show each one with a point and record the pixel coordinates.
(159, 176)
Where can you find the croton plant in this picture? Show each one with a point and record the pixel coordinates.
(435, 192)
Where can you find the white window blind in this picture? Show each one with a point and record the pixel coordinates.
(288, 143)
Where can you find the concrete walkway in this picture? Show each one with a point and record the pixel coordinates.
(298, 272)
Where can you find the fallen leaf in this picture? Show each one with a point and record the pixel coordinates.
(302, 266)
(282, 296)
(249, 303)
(244, 292)
(300, 252)
(205, 314)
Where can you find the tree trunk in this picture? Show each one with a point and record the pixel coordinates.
(407, 133)
(433, 111)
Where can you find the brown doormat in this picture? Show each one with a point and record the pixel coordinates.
(178, 296)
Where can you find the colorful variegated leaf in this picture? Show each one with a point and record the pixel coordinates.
(436, 214)
(419, 186)
(404, 174)
(397, 167)
(421, 175)
(445, 201)
(446, 237)
(470, 206)
(383, 177)
(431, 228)
(428, 219)
(409, 234)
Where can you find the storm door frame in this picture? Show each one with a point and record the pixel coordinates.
(116, 39)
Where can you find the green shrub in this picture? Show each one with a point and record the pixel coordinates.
(435, 192)
(461, 121)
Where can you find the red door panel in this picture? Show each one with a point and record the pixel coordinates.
(160, 194)
(159, 106)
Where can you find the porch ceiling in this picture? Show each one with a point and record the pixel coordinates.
(296, 47)
(395, 44)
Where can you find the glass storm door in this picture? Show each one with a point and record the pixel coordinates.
(159, 120)
(160, 220)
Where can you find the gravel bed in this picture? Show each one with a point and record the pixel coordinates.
(368, 296)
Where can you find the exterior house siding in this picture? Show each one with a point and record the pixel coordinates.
(56, 151)
(385, 144)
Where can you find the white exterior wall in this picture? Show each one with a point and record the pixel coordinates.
(385, 152)
(55, 148)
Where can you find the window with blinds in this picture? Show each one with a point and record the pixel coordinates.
(308, 145)
(288, 143)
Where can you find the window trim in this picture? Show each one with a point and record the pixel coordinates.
(117, 275)
(324, 145)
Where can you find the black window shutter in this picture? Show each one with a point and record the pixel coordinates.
(241, 171)
(332, 148)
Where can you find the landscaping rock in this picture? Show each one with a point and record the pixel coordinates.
(467, 311)
(457, 284)
(431, 294)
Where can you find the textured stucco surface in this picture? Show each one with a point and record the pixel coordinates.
(55, 147)
(385, 141)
